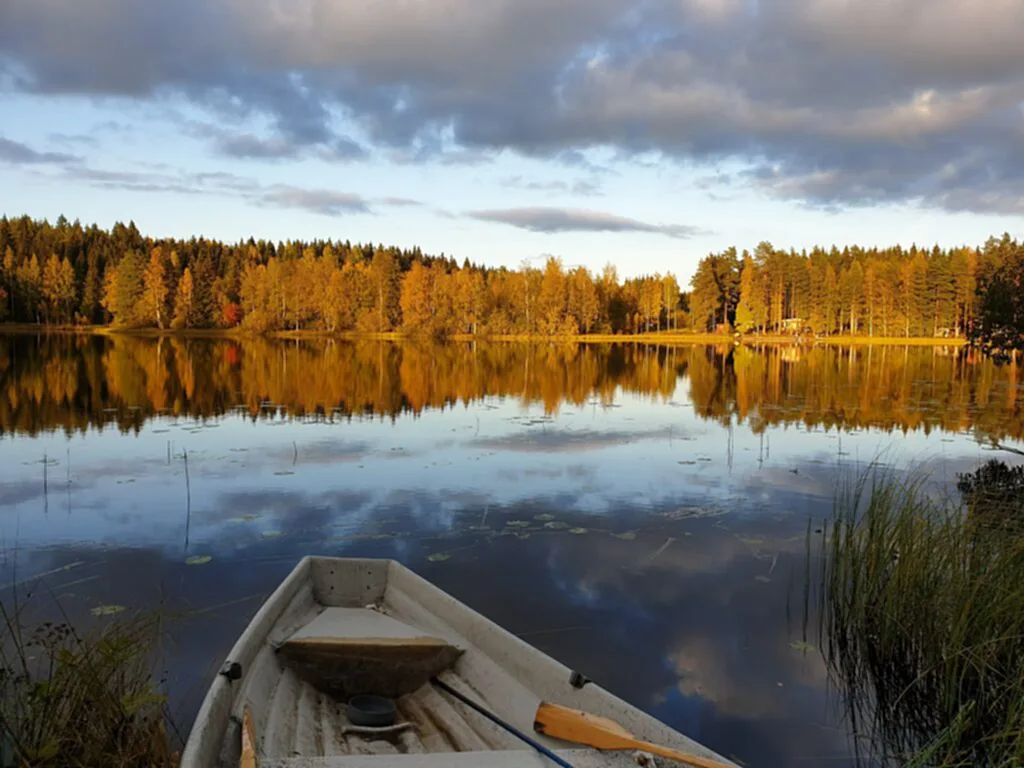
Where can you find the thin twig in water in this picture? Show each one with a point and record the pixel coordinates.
(668, 542)
(188, 497)
(1000, 447)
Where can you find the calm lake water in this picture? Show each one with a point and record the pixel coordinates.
(639, 513)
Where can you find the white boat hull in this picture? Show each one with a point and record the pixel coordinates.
(299, 725)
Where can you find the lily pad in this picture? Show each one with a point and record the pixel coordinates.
(544, 518)
(244, 518)
(198, 560)
(577, 531)
(108, 610)
(625, 535)
(798, 645)
(684, 513)
(438, 557)
(518, 524)
(556, 525)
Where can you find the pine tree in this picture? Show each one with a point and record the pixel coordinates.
(183, 301)
(551, 302)
(51, 289)
(155, 291)
(670, 300)
(831, 294)
(941, 293)
(66, 290)
(417, 299)
(851, 292)
(205, 309)
(9, 279)
(384, 270)
(29, 280)
(745, 321)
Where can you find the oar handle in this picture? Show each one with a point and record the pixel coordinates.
(672, 754)
(498, 721)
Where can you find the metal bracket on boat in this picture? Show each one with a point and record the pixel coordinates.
(232, 670)
(578, 679)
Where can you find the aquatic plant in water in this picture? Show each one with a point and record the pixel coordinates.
(71, 698)
(922, 619)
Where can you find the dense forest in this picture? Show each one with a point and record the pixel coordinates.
(73, 383)
(870, 292)
(65, 273)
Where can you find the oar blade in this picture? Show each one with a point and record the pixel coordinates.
(601, 733)
(580, 727)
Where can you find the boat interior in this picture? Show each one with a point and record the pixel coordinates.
(341, 628)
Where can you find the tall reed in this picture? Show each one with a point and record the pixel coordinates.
(922, 621)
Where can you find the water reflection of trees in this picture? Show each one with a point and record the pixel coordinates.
(73, 382)
(905, 388)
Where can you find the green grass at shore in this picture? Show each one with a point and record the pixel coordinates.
(81, 698)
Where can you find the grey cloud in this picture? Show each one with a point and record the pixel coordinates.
(399, 202)
(322, 201)
(74, 138)
(343, 148)
(250, 146)
(246, 145)
(16, 153)
(580, 187)
(585, 188)
(550, 220)
(163, 181)
(859, 102)
(574, 158)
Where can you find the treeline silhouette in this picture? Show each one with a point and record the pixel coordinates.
(66, 273)
(74, 383)
(871, 292)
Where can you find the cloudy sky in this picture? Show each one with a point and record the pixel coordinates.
(644, 132)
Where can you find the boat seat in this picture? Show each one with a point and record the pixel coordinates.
(348, 651)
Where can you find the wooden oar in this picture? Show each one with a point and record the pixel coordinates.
(601, 733)
(248, 759)
(498, 721)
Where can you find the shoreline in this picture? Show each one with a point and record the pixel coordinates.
(664, 338)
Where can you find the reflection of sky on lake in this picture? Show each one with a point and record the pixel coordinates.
(658, 552)
(591, 460)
